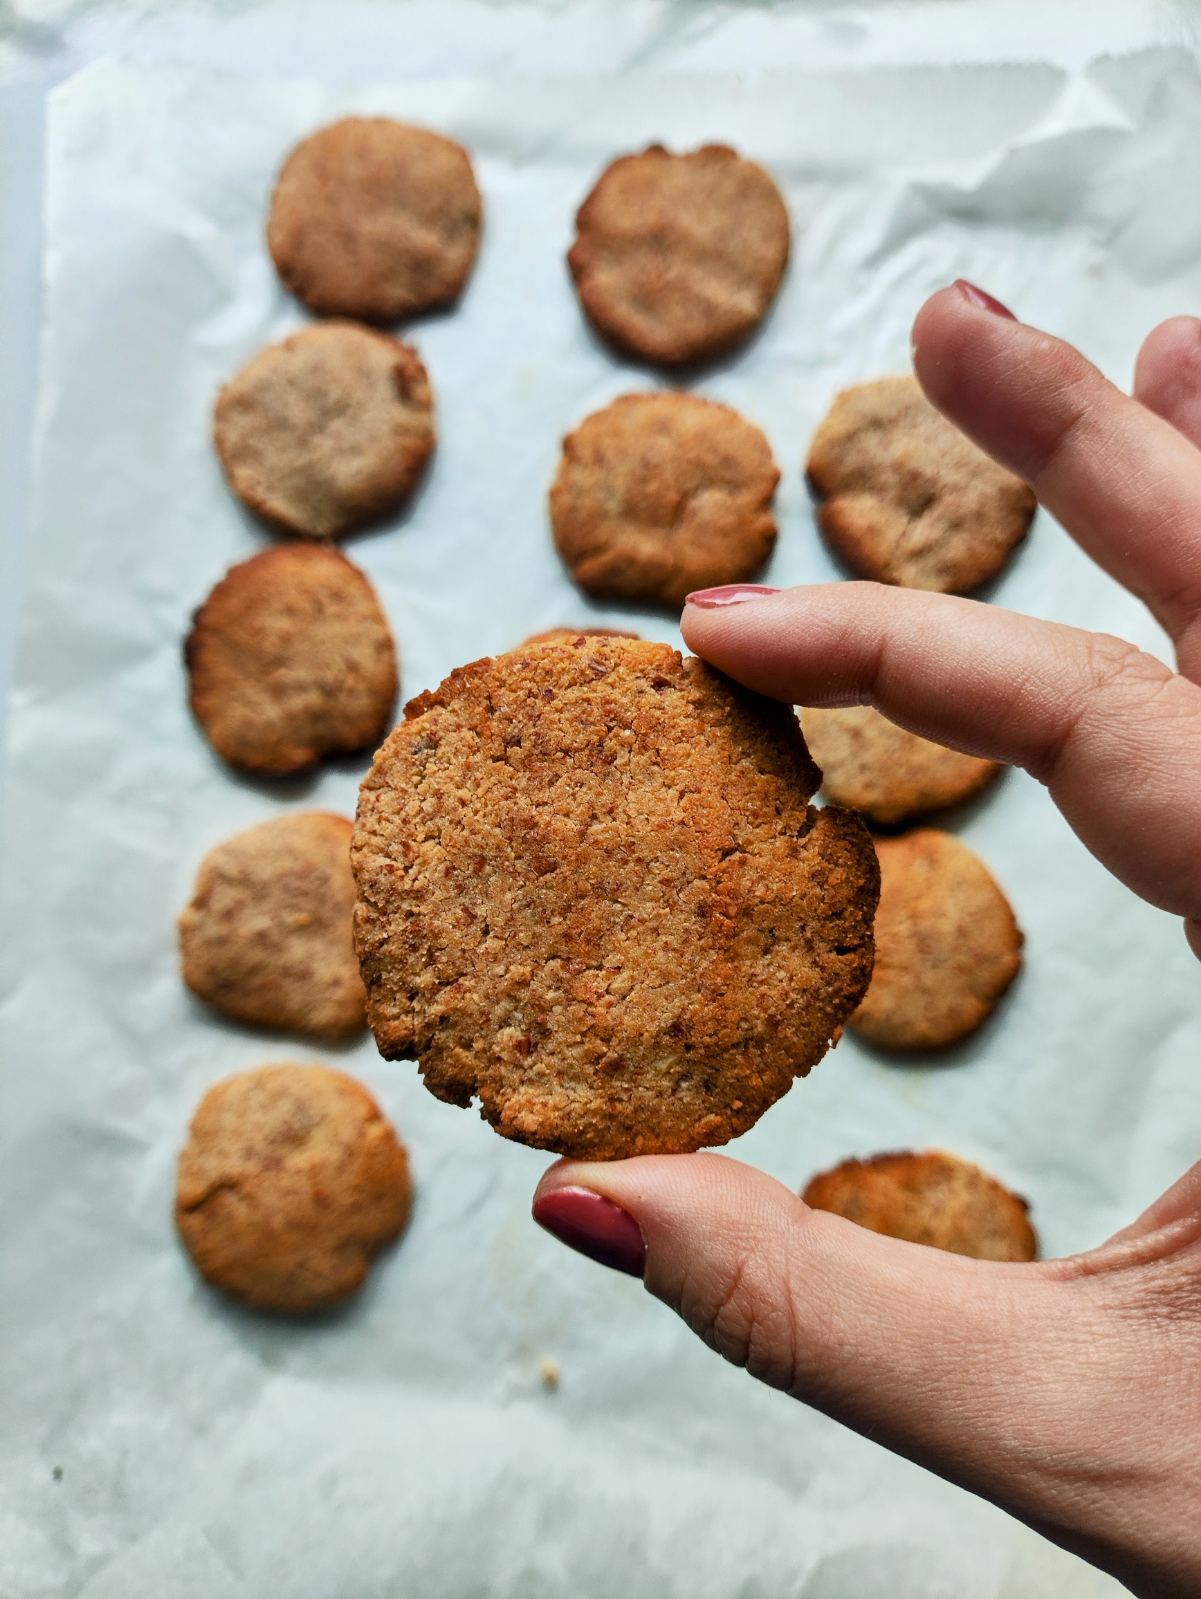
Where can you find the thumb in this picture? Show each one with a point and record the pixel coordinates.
(1000, 1377)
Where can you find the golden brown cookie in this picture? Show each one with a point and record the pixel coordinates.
(291, 1181)
(677, 257)
(932, 1199)
(884, 772)
(266, 938)
(660, 494)
(556, 635)
(327, 430)
(291, 659)
(375, 219)
(947, 944)
(906, 498)
(592, 892)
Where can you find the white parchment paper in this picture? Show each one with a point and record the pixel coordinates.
(157, 1441)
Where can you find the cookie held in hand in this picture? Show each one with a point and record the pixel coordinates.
(591, 892)
(677, 257)
(291, 1181)
(933, 1199)
(906, 498)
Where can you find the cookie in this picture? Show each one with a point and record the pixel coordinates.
(906, 498)
(933, 1199)
(555, 635)
(266, 939)
(327, 430)
(375, 219)
(884, 772)
(291, 1181)
(660, 494)
(677, 257)
(592, 893)
(291, 659)
(947, 944)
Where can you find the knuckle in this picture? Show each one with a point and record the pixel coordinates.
(1109, 675)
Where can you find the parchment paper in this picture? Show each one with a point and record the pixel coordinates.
(155, 1440)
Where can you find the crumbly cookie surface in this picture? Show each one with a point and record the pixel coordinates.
(290, 1182)
(930, 1198)
(291, 659)
(328, 430)
(886, 773)
(947, 944)
(266, 938)
(556, 635)
(677, 257)
(906, 498)
(375, 219)
(592, 893)
(660, 494)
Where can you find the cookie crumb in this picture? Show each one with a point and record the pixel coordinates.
(548, 1373)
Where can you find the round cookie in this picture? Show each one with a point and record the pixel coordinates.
(933, 1199)
(327, 430)
(289, 1184)
(375, 219)
(906, 498)
(591, 891)
(947, 944)
(556, 635)
(677, 257)
(884, 772)
(660, 494)
(291, 659)
(267, 938)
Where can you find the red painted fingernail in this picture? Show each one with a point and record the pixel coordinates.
(982, 300)
(594, 1226)
(731, 594)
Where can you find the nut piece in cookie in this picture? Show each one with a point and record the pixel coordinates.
(660, 494)
(375, 219)
(677, 257)
(906, 498)
(291, 659)
(291, 1181)
(592, 892)
(884, 772)
(932, 1198)
(266, 939)
(327, 430)
(947, 944)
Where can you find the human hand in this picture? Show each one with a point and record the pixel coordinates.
(1068, 1392)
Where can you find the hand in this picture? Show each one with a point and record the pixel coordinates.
(1067, 1391)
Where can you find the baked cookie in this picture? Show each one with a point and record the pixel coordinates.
(906, 498)
(291, 659)
(327, 430)
(591, 891)
(555, 635)
(932, 1199)
(375, 219)
(289, 1184)
(947, 944)
(266, 939)
(884, 772)
(677, 257)
(660, 494)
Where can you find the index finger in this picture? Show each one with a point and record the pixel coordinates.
(1125, 483)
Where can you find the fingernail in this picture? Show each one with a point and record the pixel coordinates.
(594, 1226)
(731, 594)
(982, 300)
